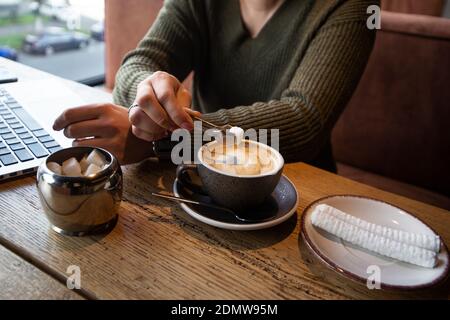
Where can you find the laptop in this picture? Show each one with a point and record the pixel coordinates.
(27, 112)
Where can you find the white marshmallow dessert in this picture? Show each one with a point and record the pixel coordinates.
(432, 243)
(90, 164)
(416, 249)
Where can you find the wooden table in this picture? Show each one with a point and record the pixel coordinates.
(157, 251)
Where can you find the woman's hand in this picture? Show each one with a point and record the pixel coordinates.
(163, 106)
(105, 126)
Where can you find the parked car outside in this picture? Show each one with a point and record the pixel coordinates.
(8, 53)
(54, 39)
(98, 31)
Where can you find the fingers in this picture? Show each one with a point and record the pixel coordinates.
(141, 120)
(77, 114)
(89, 128)
(166, 92)
(147, 101)
(163, 98)
(148, 136)
(184, 97)
(103, 143)
(91, 142)
(192, 112)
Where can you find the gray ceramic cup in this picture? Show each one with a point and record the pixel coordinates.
(236, 192)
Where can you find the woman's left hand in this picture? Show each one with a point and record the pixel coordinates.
(105, 126)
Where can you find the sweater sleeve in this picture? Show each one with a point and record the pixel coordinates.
(168, 46)
(320, 88)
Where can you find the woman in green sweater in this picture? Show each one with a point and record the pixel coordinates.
(290, 65)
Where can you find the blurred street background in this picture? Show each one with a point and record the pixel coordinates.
(63, 37)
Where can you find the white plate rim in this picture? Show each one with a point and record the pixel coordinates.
(240, 227)
(352, 276)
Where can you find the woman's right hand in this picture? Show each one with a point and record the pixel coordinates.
(163, 106)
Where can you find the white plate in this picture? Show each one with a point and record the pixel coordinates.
(354, 262)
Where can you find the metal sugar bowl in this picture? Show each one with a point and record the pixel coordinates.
(83, 205)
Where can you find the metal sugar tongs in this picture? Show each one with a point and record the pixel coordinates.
(209, 125)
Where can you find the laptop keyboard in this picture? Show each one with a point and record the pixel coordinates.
(21, 137)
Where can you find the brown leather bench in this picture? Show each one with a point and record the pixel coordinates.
(397, 123)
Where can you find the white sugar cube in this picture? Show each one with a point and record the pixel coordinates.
(71, 168)
(95, 157)
(84, 164)
(92, 169)
(53, 166)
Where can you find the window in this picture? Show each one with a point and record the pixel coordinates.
(62, 37)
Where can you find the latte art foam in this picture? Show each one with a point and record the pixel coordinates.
(242, 159)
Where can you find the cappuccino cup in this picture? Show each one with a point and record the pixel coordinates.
(238, 178)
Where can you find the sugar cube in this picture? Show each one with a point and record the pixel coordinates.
(95, 157)
(53, 166)
(71, 168)
(84, 164)
(92, 169)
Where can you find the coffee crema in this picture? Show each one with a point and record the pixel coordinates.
(243, 159)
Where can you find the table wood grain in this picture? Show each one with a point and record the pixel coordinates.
(157, 251)
(20, 279)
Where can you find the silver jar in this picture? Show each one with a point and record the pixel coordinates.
(80, 206)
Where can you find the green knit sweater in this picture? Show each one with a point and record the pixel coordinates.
(297, 75)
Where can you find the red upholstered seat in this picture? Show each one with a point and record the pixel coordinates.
(397, 123)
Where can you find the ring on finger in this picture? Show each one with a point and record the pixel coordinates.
(134, 105)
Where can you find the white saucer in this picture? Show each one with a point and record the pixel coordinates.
(354, 262)
(280, 206)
